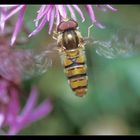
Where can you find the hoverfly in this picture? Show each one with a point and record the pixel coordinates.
(71, 47)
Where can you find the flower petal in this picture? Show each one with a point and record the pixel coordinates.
(2, 17)
(42, 12)
(72, 12)
(99, 25)
(91, 13)
(30, 116)
(106, 7)
(15, 10)
(42, 110)
(57, 16)
(51, 21)
(42, 8)
(4, 98)
(49, 13)
(20, 120)
(18, 25)
(111, 8)
(62, 11)
(102, 8)
(7, 5)
(31, 102)
(1, 119)
(40, 26)
(13, 107)
(80, 12)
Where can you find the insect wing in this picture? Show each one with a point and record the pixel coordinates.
(124, 43)
(34, 62)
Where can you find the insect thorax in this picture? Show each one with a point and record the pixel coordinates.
(70, 39)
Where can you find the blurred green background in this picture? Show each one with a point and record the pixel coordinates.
(112, 104)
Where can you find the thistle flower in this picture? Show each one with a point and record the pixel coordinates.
(54, 13)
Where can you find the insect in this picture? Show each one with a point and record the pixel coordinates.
(71, 47)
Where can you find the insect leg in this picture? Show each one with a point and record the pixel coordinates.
(55, 34)
(89, 28)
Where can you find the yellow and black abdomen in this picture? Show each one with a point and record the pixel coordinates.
(76, 70)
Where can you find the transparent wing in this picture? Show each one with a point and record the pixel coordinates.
(35, 62)
(124, 43)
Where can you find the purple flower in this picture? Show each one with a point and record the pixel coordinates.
(7, 12)
(53, 14)
(11, 115)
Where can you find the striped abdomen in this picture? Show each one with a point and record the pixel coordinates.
(76, 70)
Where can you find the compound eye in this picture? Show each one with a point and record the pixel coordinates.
(66, 25)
